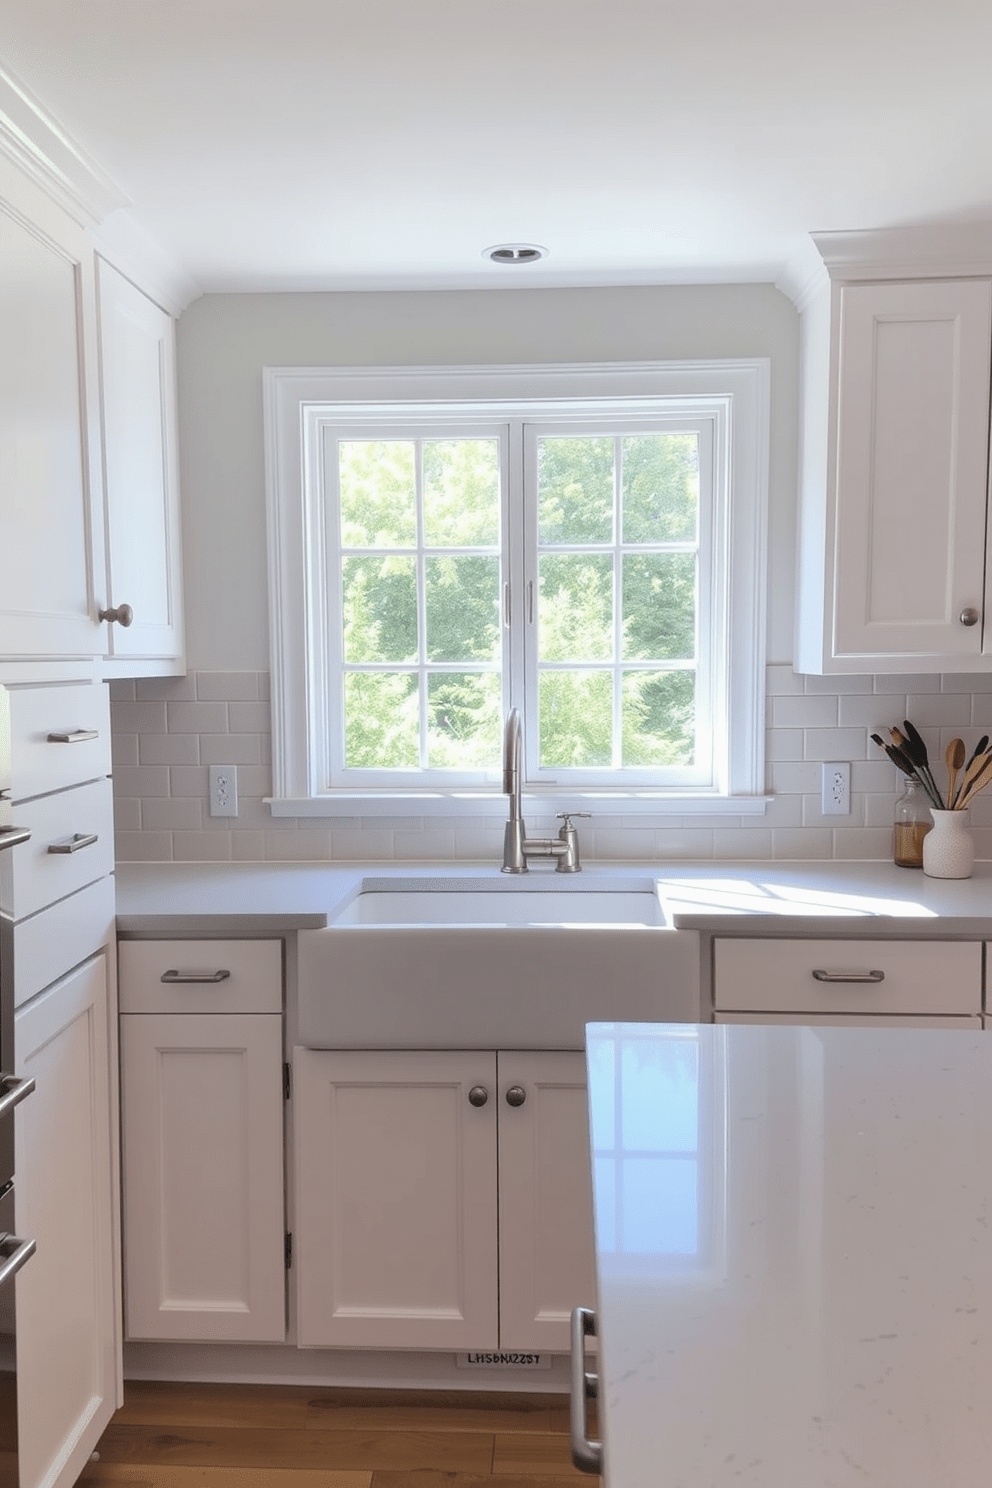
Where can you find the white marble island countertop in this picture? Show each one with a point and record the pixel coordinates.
(794, 1256)
(783, 898)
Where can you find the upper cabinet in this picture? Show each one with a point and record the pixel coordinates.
(895, 464)
(90, 495)
(140, 472)
(53, 574)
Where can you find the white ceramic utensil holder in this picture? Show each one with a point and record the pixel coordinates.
(948, 850)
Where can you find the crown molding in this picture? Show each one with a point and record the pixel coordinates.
(36, 142)
(803, 276)
(930, 251)
(140, 257)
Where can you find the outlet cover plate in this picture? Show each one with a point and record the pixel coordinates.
(836, 788)
(223, 790)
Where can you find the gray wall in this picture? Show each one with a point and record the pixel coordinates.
(224, 341)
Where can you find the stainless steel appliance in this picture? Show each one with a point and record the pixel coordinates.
(13, 1251)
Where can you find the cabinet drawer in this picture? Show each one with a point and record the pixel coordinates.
(916, 977)
(72, 844)
(201, 976)
(49, 944)
(60, 736)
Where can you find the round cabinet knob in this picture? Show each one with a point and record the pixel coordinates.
(478, 1095)
(516, 1095)
(122, 614)
(969, 616)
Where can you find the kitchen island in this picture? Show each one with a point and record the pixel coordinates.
(794, 1255)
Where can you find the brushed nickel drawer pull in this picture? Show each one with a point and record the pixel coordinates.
(849, 976)
(193, 978)
(77, 736)
(74, 843)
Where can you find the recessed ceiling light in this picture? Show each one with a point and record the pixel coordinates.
(515, 253)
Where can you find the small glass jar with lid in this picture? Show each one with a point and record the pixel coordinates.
(912, 823)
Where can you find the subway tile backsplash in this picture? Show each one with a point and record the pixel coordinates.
(167, 731)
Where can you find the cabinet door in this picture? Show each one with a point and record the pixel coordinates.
(202, 1104)
(546, 1258)
(911, 472)
(48, 597)
(395, 1200)
(65, 1294)
(141, 488)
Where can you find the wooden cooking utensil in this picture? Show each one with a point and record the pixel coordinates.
(978, 774)
(954, 759)
(970, 771)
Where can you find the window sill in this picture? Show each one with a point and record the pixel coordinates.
(494, 803)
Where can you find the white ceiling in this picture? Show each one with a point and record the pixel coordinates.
(352, 144)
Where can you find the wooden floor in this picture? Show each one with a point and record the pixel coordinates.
(293, 1436)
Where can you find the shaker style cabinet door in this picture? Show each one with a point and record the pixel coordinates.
(202, 1105)
(140, 470)
(52, 575)
(395, 1243)
(66, 1345)
(546, 1258)
(893, 544)
(912, 467)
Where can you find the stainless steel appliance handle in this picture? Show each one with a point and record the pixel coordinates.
(74, 843)
(586, 1455)
(849, 976)
(14, 1253)
(13, 1091)
(191, 978)
(77, 736)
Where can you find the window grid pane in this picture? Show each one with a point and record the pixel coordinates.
(388, 614)
(665, 567)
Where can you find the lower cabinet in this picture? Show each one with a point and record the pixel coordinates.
(919, 983)
(66, 1319)
(442, 1199)
(202, 1101)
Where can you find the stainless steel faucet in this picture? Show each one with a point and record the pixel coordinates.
(517, 847)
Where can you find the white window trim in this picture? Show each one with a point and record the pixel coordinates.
(293, 395)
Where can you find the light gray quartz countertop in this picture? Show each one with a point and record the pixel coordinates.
(794, 1259)
(866, 899)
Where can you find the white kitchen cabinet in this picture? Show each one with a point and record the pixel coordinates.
(395, 1233)
(892, 573)
(60, 931)
(848, 980)
(546, 1260)
(202, 1104)
(88, 449)
(140, 472)
(430, 1212)
(53, 589)
(67, 1353)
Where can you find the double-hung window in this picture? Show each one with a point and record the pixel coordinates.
(585, 545)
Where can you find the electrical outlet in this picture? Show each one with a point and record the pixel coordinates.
(836, 788)
(223, 790)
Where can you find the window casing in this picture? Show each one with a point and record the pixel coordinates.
(324, 565)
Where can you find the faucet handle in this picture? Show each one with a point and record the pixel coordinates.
(566, 818)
